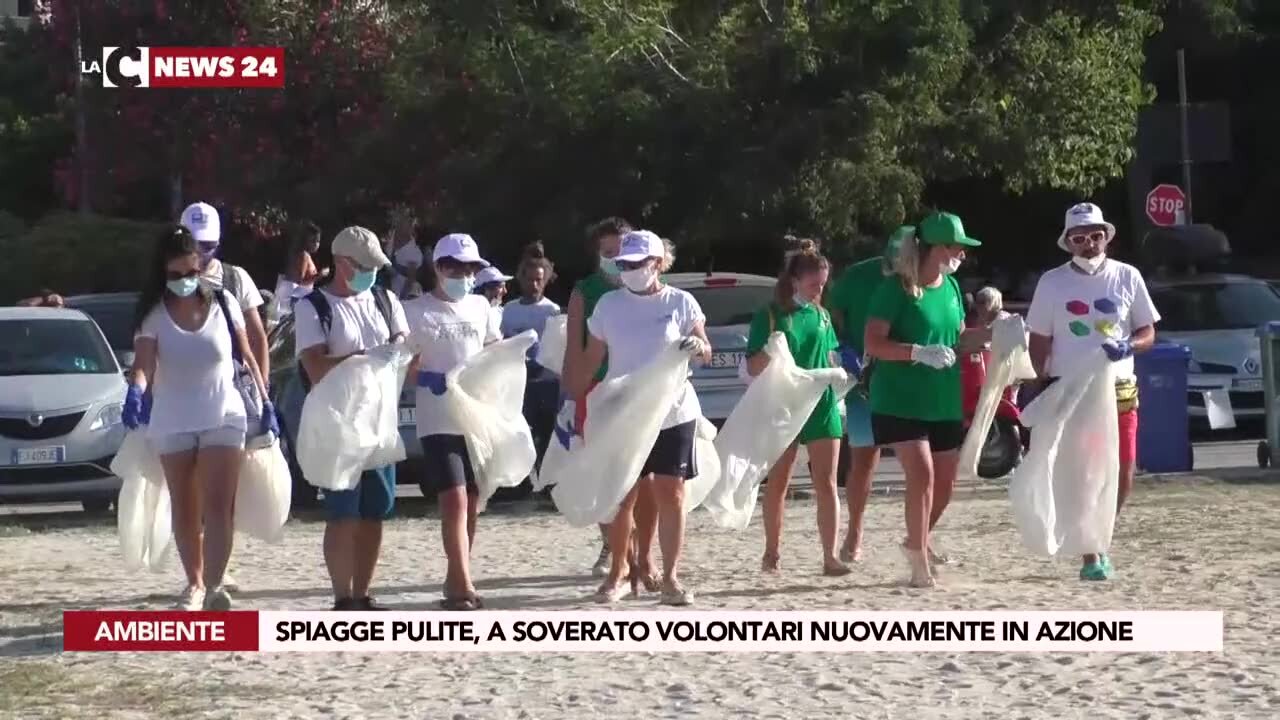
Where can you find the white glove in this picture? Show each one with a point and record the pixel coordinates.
(694, 345)
(935, 356)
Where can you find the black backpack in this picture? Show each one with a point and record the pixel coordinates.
(325, 314)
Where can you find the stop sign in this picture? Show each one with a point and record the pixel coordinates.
(1164, 202)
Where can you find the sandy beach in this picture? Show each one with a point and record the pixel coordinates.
(1184, 544)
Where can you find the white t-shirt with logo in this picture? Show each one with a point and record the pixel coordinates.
(356, 324)
(518, 316)
(408, 255)
(445, 334)
(192, 388)
(1081, 311)
(637, 328)
(247, 294)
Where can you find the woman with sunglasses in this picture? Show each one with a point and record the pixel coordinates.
(184, 351)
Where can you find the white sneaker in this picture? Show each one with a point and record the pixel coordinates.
(218, 599)
(229, 583)
(192, 598)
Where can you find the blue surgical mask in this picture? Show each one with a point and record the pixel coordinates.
(363, 280)
(458, 288)
(609, 266)
(183, 287)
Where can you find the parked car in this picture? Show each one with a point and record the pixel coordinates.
(61, 397)
(288, 396)
(113, 312)
(1217, 316)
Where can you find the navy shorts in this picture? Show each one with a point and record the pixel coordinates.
(672, 452)
(942, 435)
(447, 464)
(373, 498)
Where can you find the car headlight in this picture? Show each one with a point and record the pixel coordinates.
(108, 417)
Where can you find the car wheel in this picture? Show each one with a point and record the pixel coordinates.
(1002, 450)
(96, 506)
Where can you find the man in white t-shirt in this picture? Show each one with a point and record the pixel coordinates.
(1094, 300)
(205, 225)
(406, 259)
(358, 321)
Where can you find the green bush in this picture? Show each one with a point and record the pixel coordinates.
(73, 254)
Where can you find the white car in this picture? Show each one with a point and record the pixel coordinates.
(61, 397)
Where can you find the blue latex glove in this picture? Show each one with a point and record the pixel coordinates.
(270, 422)
(432, 381)
(850, 360)
(133, 414)
(1117, 350)
(563, 427)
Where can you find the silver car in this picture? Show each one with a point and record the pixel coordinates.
(1217, 316)
(61, 397)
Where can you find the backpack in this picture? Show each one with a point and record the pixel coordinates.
(231, 280)
(325, 314)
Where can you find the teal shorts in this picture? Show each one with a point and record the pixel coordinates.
(373, 498)
(858, 421)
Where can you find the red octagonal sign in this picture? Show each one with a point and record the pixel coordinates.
(1164, 202)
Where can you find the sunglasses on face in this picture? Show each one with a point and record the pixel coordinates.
(175, 275)
(627, 265)
(1095, 236)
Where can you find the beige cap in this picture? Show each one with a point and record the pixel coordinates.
(362, 246)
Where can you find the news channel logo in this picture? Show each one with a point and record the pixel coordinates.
(121, 67)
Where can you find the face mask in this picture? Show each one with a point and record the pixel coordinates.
(183, 287)
(1089, 264)
(609, 267)
(950, 267)
(361, 281)
(639, 280)
(458, 288)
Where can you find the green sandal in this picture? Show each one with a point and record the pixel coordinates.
(1093, 571)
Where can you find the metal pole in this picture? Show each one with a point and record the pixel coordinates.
(1186, 133)
(82, 132)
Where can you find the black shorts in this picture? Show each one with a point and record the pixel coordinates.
(447, 464)
(943, 435)
(672, 452)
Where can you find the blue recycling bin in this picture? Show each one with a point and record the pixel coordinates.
(1164, 437)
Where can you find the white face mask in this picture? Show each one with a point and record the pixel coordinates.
(950, 267)
(1090, 265)
(640, 279)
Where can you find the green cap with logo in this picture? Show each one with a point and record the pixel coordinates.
(895, 240)
(943, 228)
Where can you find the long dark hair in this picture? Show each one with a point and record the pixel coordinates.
(174, 242)
(604, 228)
(801, 259)
(308, 234)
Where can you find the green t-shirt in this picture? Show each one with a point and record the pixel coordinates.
(808, 330)
(592, 288)
(850, 295)
(908, 389)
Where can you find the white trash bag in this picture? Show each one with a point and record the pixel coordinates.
(555, 338)
(762, 426)
(351, 419)
(624, 416)
(1064, 492)
(485, 396)
(263, 494)
(1011, 362)
(144, 518)
(707, 460)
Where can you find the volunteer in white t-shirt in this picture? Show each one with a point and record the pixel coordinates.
(447, 325)
(491, 284)
(530, 312)
(406, 258)
(183, 345)
(203, 222)
(633, 325)
(357, 324)
(1094, 300)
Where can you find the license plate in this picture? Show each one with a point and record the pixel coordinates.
(38, 455)
(408, 416)
(1248, 385)
(726, 360)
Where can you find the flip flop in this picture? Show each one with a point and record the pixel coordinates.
(676, 597)
(610, 595)
(1094, 571)
(458, 604)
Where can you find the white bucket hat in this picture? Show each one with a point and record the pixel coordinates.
(1084, 215)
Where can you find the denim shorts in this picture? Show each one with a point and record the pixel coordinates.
(225, 436)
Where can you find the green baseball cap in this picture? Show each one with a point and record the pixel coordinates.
(945, 229)
(895, 240)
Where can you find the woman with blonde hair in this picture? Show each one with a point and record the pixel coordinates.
(914, 330)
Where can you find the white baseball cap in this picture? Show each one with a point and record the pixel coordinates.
(360, 245)
(203, 222)
(490, 274)
(640, 245)
(460, 247)
(1084, 215)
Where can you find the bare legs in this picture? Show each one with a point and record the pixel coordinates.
(857, 487)
(823, 457)
(202, 490)
(917, 464)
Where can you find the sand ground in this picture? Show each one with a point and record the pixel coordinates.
(1184, 544)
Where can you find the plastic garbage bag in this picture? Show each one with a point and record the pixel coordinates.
(264, 494)
(1011, 362)
(1064, 492)
(707, 460)
(144, 518)
(555, 338)
(764, 423)
(485, 396)
(624, 415)
(351, 419)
